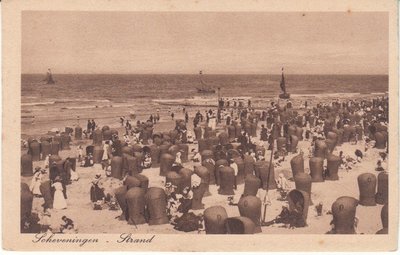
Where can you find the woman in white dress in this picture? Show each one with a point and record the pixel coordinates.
(74, 175)
(106, 151)
(36, 181)
(106, 155)
(59, 200)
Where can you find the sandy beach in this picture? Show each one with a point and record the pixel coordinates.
(80, 208)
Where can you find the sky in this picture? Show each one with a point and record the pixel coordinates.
(217, 43)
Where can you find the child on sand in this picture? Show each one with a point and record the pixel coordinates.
(45, 221)
(68, 227)
(80, 153)
(282, 185)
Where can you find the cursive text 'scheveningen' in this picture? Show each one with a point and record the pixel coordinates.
(45, 238)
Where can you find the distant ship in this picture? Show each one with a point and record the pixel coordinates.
(283, 95)
(49, 77)
(205, 89)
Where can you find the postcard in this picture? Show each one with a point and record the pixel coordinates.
(200, 125)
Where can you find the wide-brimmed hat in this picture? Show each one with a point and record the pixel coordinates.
(58, 178)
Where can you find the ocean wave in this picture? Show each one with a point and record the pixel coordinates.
(83, 107)
(72, 100)
(67, 100)
(327, 95)
(379, 93)
(102, 106)
(38, 103)
(125, 105)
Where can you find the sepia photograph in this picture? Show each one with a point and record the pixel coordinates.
(202, 123)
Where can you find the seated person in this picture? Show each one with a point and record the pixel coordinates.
(146, 160)
(196, 156)
(379, 166)
(68, 226)
(178, 160)
(88, 161)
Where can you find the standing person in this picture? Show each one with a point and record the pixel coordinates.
(53, 171)
(36, 181)
(158, 115)
(74, 175)
(47, 161)
(172, 115)
(93, 125)
(65, 176)
(89, 126)
(195, 121)
(122, 120)
(127, 127)
(116, 146)
(228, 120)
(243, 140)
(285, 129)
(154, 118)
(186, 117)
(235, 169)
(96, 192)
(80, 153)
(59, 200)
(106, 155)
(264, 133)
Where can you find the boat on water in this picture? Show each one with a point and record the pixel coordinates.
(284, 94)
(204, 89)
(49, 77)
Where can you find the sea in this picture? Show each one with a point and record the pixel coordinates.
(75, 98)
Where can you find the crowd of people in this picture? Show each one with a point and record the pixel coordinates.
(276, 121)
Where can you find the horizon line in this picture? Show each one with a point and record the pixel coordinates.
(105, 73)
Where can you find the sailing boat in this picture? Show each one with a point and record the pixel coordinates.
(205, 89)
(283, 95)
(49, 78)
